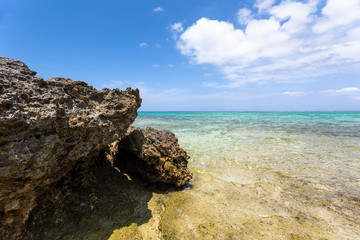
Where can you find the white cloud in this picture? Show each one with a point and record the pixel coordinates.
(207, 74)
(287, 45)
(177, 27)
(338, 13)
(354, 33)
(143, 45)
(295, 14)
(170, 65)
(156, 65)
(350, 91)
(263, 5)
(244, 16)
(294, 94)
(157, 46)
(173, 91)
(158, 9)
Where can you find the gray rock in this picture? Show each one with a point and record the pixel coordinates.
(46, 127)
(155, 155)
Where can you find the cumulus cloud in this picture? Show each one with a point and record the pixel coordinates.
(294, 94)
(338, 13)
(158, 9)
(295, 42)
(263, 5)
(143, 45)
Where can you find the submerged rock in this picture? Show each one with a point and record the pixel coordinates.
(46, 127)
(155, 155)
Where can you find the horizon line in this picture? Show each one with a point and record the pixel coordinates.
(249, 111)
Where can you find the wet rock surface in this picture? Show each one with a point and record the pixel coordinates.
(46, 128)
(155, 155)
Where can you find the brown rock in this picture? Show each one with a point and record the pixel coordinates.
(155, 155)
(46, 127)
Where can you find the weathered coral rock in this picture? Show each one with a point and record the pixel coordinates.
(155, 155)
(53, 136)
(46, 127)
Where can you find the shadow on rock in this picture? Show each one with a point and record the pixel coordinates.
(89, 206)
(155, 155)
(59, 177)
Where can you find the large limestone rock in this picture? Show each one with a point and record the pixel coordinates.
(53, 136)
(155, 155)
(46, 127)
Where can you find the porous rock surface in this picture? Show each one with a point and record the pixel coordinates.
(155, 155)
(46, 127)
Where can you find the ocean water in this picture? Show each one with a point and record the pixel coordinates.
(267, 175)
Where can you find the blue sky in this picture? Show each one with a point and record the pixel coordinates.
(260, 55)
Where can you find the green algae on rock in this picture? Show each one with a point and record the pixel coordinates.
(46, 128)
(53, 134)
(217, 209)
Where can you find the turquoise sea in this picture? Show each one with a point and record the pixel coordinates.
(292, 173)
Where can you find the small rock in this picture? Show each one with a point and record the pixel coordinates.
(155, 155)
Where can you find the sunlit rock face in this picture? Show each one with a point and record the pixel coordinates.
(46, 127)
(155, 155)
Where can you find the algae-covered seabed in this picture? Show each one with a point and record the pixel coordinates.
(216, 209)
(256, 176)
(260, 176)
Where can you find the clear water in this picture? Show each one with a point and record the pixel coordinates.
(322, 147)
(306, 155)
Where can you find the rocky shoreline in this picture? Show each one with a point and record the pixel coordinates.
(66, 149)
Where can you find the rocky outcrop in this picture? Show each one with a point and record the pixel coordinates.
(54, 136)
(46, 127)
(155, 155)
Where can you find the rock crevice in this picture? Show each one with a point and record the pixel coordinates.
(48, 127)
(155, 155)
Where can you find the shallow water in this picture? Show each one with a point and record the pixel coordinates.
(263, 175)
